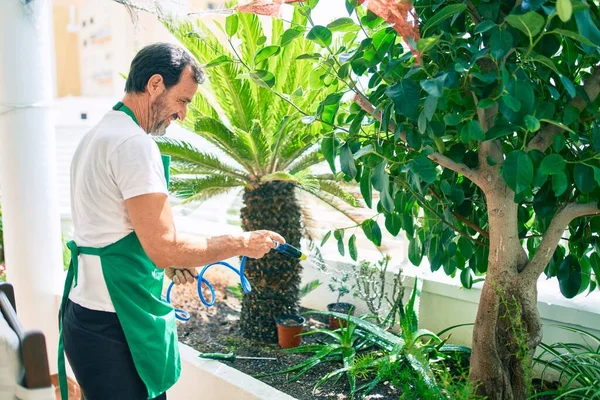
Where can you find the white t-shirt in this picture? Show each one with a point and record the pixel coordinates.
(115, 161)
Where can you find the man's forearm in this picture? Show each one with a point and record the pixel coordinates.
(184, 251)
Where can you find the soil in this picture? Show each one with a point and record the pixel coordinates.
(288, 322)
(214, 329)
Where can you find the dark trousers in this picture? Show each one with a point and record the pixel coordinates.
(97, 351)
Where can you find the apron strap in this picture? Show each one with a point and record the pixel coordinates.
(71, 277)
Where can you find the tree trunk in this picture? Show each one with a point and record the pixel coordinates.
(275, 278)
(507, 327)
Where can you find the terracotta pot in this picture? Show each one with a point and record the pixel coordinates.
(74, 389)
(288, 329)
(342, 308)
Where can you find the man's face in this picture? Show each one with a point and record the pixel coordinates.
(171, 103)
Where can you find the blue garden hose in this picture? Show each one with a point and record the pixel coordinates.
(184, 316)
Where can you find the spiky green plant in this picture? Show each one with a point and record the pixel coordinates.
(266, 148)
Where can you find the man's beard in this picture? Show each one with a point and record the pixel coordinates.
(159, 125)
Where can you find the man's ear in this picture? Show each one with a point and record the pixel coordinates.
(156, 85)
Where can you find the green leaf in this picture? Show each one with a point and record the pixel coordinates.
(530, 23)
(518, 171)
(426, 44)
(595, 263)
(325, 238)
(344, 24)
(263, 78)
(465, 247)
(347, 161)
(587, 27)
(562, 126)
(484, 104)
(218, 61)
(512, 102)
(575, 36)
(406, 96)
(553, 164)
(231, 25)
(320, 35)
(380, 177)
(289, 36)
(352, 247)
(431, 104)
(597, 175)
(434, 87)
(564, 8)
(415, 251)
(569, 277)
(393, 223)
(484, 26)
(386, 199)
(466, 278)
(329, 107)
(472, 131)
(442, 15)
(532, 123)
(376, 234)
(329, 147)
(452, 119)
(313, 56)
(568, 85)
(584, 178)
(365, 187)
(501, 42)
(586, 271)
(265, 53)
(424, 168)
(547, 62)
(340, 245)
(559, 183)
(558, 143)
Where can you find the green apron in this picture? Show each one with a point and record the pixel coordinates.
(135, 287)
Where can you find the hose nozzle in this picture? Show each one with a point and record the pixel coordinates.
(289, 251)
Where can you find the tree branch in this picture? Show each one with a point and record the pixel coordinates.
(461, 218)
(473, 12)
(488, 148)
(543, 139)
(438, 158)
(553, 235)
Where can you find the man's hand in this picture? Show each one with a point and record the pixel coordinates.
(181, 276)
(259, 243)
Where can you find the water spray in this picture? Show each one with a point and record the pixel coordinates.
(184, 316)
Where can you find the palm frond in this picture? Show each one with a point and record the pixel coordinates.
(233, 95)
(336, 190)
(230, 143)
(307, 161)
(280, 176)
(188, 157)
(199, 189)
(336, 204)
(199, 107)
(260, 145)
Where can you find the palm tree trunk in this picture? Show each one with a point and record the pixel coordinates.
(275, 278)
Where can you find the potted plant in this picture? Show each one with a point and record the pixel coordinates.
(343, 287)
(289, 328)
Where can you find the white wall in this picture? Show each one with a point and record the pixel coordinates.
(445, 303)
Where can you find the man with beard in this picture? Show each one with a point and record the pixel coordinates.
(118, 333)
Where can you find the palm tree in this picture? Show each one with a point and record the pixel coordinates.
(269, 149)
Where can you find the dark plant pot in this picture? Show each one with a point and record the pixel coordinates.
(289, 327)
(342, 308)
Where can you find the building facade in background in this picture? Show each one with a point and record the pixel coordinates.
(95, 41)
